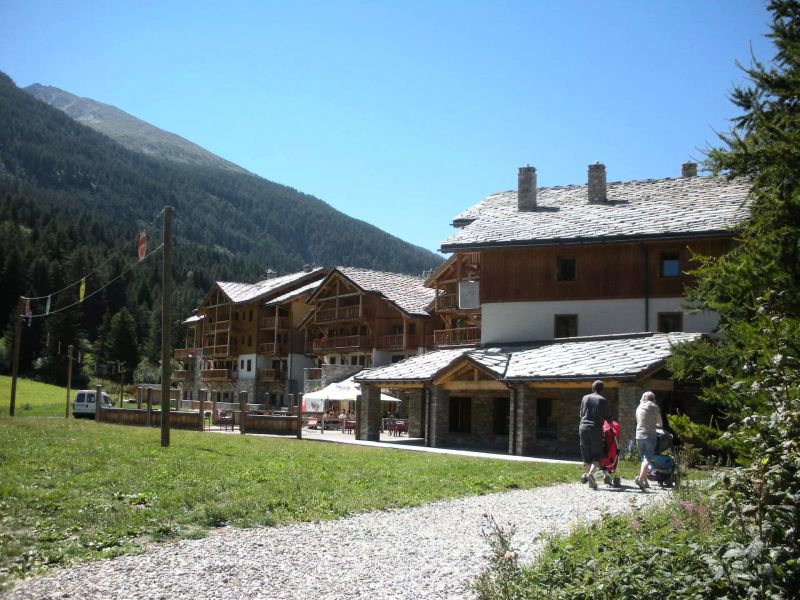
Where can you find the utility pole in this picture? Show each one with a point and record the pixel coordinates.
(69, 378)
(166, 311)
(17, 346)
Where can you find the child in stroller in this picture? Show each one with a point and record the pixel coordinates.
(610, 458)
(662, 466)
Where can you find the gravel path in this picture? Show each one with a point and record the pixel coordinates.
(433, 551)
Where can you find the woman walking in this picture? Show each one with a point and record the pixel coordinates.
(648, 419)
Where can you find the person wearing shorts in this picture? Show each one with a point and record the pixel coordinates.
(648, 419)
(594, 411)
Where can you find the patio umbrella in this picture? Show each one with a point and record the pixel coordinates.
(341, 391)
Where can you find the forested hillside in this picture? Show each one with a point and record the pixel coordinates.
(72, 200)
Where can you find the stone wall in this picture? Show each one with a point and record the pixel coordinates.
(369, 417)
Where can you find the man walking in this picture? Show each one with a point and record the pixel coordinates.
(594, 411)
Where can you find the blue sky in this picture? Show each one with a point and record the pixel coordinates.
(402, 114)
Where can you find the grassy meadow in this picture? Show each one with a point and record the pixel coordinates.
(75, 489)
(34, 399)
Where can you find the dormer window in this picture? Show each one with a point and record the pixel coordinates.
(565, 269)
(670, 265)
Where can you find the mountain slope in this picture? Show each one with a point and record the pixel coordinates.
(129, 131)
(65, 164)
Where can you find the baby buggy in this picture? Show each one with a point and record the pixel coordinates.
(610, 458)
(662, 467)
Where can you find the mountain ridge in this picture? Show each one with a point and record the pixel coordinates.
(128, 130)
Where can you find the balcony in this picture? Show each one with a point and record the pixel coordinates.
(275, 323)
(270, 375)
(185, 353)
(343, 313)
(272, 349)
(391, 342)
(446, 302)
(215, 351)
(350, 342)
(180, 375)
(218, 375)
(461, 336)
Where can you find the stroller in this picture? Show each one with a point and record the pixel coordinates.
(610, 459)
(662, 468)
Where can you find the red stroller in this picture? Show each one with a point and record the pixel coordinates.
(610, 458)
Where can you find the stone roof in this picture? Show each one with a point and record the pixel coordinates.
(625, 356)
(405, 291)
(615, 357)
(294, 293)
(651, 208)
(422, 367)
(245, 292)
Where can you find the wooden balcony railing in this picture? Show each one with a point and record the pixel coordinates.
(343, 313)
(356, 342)
(180, 375)
(185, 353)
(218, 375)
(446, 301)
(391, 342)
(270, 375)
(272, 349)
(313, 373)
(461, 336)
(275, 323)
(215, 351)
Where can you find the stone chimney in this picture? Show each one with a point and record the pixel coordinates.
(597, 183)
(526, 189)
(689, 169)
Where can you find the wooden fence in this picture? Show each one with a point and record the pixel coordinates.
(140, 417)
(274, 424)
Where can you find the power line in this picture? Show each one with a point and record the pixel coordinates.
(113, 255)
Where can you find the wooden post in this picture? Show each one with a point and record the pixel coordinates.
(69, 379)
(98, 400)
(242, 408)
(358, 417)
(213, 406)
(149, 407)
(299, 415)
(17, 348)
(139, 397)
(202, 399)
(166, 310)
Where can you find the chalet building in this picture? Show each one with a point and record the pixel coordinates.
(548, 289)
(244, 340)
(366, 318)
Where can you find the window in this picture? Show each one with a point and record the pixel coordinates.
(396, 358)
(545, 422)
(670, 265)
(249, 365)
(501, 411)
(566, 326)
(565, 268)
(250, 317)
(249, 340)
(669, 322)
(460, 415)
(241, 366)
(412, 328)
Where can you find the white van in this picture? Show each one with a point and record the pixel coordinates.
(83, 404)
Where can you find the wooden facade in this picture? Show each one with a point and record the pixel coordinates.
(601, 271)
(349, 325)
(461, 319)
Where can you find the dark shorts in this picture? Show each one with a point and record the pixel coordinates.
(591, 445)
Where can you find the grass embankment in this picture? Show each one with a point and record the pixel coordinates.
(73, 490)
(34, 399)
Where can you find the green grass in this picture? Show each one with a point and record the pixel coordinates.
(73, 490)
(34, 399)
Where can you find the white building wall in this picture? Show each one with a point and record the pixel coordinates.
(244, 374)
(530, 321)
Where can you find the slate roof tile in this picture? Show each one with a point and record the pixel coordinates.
(635, 209)
(620, 356)
(406, 291)
(245, 292)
